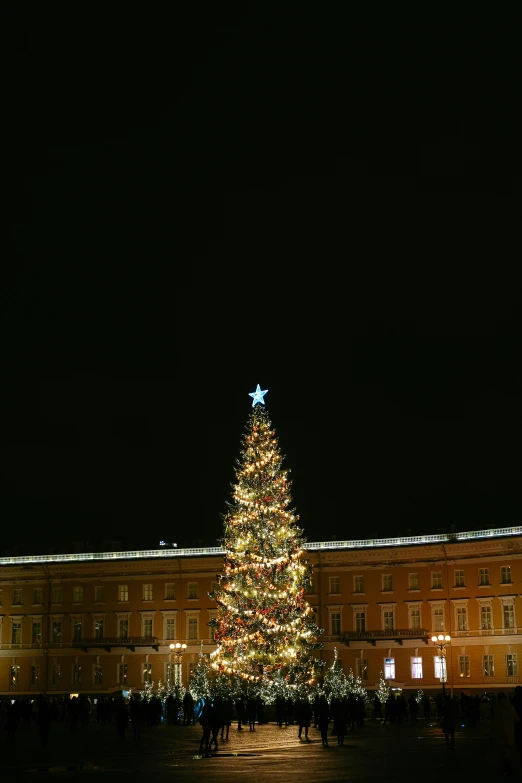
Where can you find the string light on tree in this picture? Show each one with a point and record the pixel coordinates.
(264, 626)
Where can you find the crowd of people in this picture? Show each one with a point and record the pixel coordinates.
(215, 717)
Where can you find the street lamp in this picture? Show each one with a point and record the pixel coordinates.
(440, 642)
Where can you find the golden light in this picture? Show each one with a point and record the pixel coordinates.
(441, 637)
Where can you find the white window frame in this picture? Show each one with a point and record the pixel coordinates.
(97, 673)
(334, 585)
(335, 610)
(192, 592)
(438, 606)
(436, 580)
(146, 672)
(35, 622)
(439, 666)
(170, 587)
(414, 608)
(58, 594)
(387, 583)
(388, 608)
(413, 581)
(360, 609)
(170, 616)
(99, 594)
(18, 596)
(34, 681)
(513, 659)
(487, 670)
(145, 617)
(505, 571)
(147, 592)
(483, 577)
(122, 672)
(389, 669)
(123, 594)
(508, 600)
(460, 579)
(416, 667)
(358, 584)
(463, 662)
(17, 630)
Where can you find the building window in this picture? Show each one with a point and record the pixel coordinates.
(335, 623)
(192, 590)
(360, 620)
(147, 627)
(436, 580)
(147, 673)
(389, 668)
(77, 630)
(386, 583)
(440, 667)
(413, 581)
(416, 668)
(462, 618)
(78, 595)
(358, 584)
(170, 591)
(14, 676)
(55, 674)
(123, 627)
(170, 628)
(508, 615)
(57, 595)
(97, 674)
(511, 665)
(483, 576)
(16, 632)
(488, 666)
(99, 594)
(122, 674)
(123, 592)
(438, 618)
(335, 585)
(76, 674)
(486, 620)
(98, 628)
(463, 665)
(38, 596)
(505, 575)
(36, 632)
(361, 669)
(193, 628)
(388, 623)
(459, 577)
(415, 618)
(57, 631)
(146, 593)
(34, 676)
(17, 596)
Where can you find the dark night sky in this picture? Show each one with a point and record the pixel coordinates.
(322, 203)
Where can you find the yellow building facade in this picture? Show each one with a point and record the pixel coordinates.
(100, 623)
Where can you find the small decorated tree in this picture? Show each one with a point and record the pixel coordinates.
(199, 685)
(355, 686)
(384, 690)
(335, 684)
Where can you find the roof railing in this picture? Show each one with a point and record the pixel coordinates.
(364, 543)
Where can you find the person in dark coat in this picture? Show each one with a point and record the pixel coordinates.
(449, 721)
(122, 717)
(240, 713)
(304, 716)
(227, 709)
(339, 713)
(135, 716)
(251, 710)
(323, 719)
(205, 721)
(188, 709)
(280, 711)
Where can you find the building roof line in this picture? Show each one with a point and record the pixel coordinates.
(367, 543)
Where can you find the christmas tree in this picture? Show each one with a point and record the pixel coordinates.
(264, 625)
(384, 690)
(199, 685)
(335, 683)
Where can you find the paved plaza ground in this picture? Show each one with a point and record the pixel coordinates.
(397, 752)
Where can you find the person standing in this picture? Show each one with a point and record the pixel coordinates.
(240, 712)
(304, 716)
(323, 719)
(188, 709)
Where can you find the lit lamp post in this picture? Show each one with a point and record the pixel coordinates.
(178, 649)
(441, 641)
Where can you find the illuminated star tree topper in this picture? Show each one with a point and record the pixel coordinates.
(257, 396)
